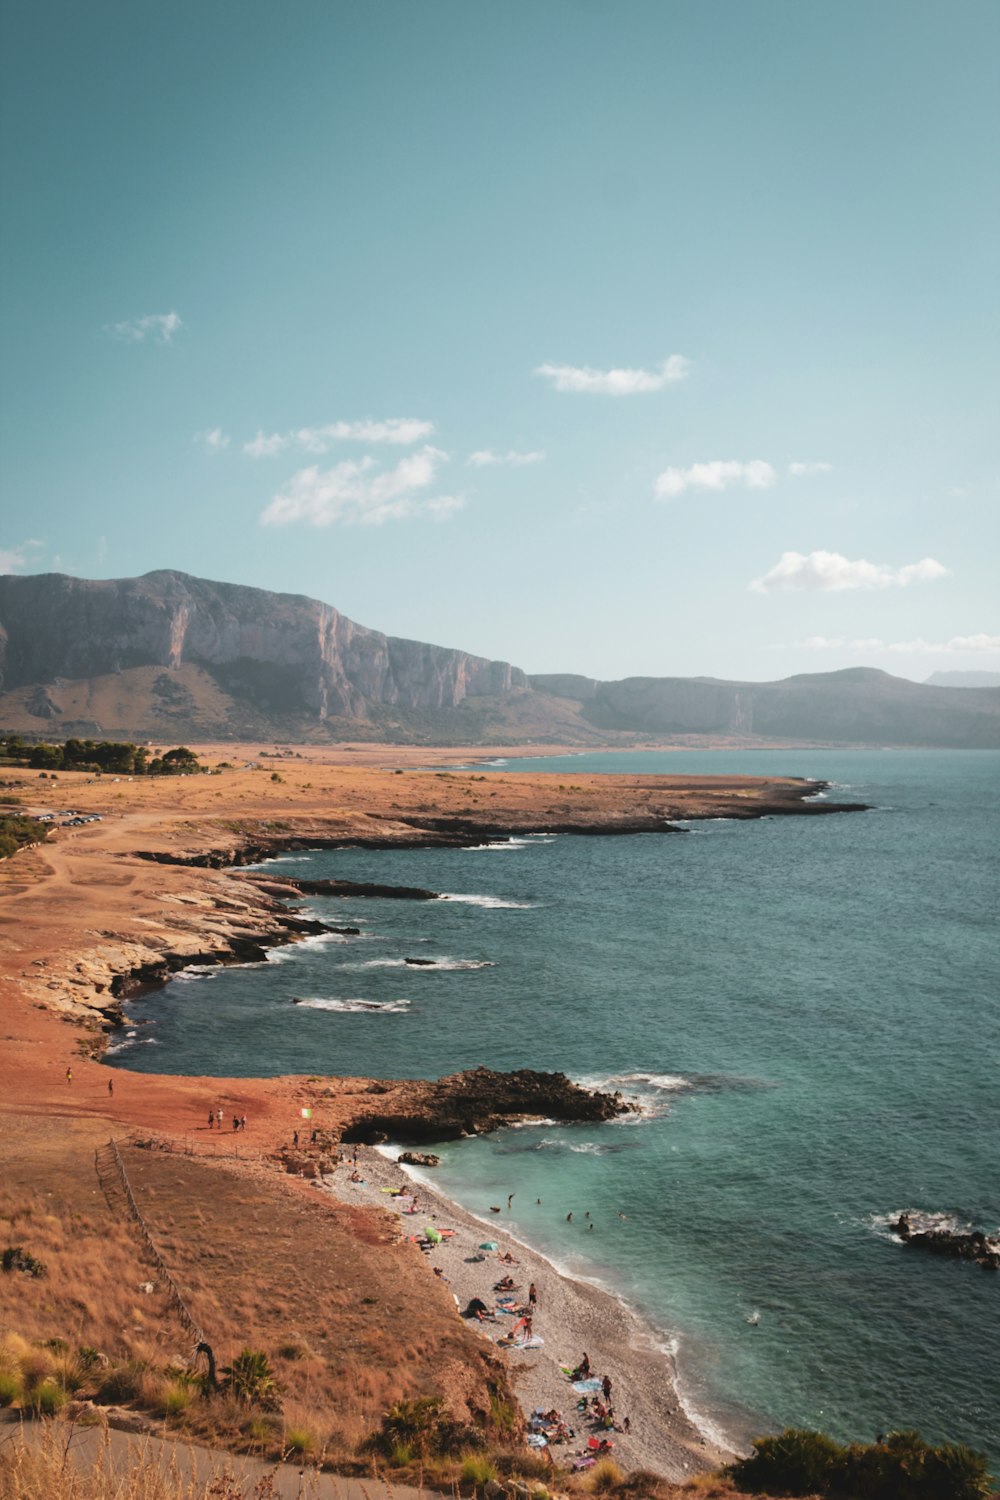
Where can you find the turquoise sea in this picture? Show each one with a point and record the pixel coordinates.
(809, 1011)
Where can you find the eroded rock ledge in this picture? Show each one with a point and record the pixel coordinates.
(475, 1102)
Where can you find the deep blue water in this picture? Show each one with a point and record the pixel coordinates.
(808, 1007)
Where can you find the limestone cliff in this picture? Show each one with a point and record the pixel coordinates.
(284, 653)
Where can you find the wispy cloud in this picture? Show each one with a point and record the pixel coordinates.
(13, 559)
(394, 430)
(579, 378)
(717, 474)
(797, 470)
(830, 572)
(357, 492)
(484, 458)
(872, 644)
(215, 440)
(160, 327)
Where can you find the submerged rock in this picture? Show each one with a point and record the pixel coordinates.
(970, 1244)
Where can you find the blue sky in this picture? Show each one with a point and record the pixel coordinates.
(648, 338)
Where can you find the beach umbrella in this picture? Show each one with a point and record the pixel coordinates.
(432, 1235)
(489, 1245)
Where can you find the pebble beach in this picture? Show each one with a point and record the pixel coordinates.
(573, 1317)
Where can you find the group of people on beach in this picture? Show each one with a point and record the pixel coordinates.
(548, 1427)
(215, 1119)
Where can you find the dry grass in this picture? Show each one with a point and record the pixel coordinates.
(49, 1467)
(91, 1295)
(325, 1292)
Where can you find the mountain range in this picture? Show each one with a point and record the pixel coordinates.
(171, 657)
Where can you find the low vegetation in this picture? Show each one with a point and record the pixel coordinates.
(899, 1466)
(113, 757)
(16, 832)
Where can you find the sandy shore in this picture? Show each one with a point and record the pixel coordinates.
(572, 1317)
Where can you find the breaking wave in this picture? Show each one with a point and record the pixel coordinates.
(493, 903)
(356, 1007)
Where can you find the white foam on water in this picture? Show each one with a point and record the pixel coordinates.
(289, 950)
(356, 1007)
(491, 903)
(506, 844)
(432, 966)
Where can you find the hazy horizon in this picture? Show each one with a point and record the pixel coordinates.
(644, 342)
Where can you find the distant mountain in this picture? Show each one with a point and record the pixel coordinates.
(169, 656)
(858, 706)
(964, 679)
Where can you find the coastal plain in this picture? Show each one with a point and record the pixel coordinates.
(270, 1248)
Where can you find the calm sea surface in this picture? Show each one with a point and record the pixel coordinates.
(809, 1010)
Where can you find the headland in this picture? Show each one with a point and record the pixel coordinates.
(103, 909)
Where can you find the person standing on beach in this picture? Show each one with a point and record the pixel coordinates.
(606, 1387)
(111, 1086)
(218, 1117)
(69, 1075)
(532, 1297)
(211, 1119)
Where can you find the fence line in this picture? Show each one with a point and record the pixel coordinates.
(172, 1287)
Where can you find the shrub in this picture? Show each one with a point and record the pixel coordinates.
(504, 1413)
(16, 1258)
(176, 1398)
(121, 1383)
(10, 1388)
(45, 1398)
(901, 1466)
(293, 1349)
(477, 1469)
(251, 1380)
(422, 1427)
(37, 1365)
(604, 1476)
(299, 1440)
(795, 1462)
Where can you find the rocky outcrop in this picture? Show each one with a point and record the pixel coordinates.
(419, 1159)
(971, 1245)
(283, 653)
(478, 1101)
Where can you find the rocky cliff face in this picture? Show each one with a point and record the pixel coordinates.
(281, 651)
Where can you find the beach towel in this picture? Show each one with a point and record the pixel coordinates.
(583, 1386)
(537, 1440)
(583, 1463)
(533, 1343)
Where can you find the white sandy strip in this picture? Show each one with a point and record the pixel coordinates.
(572, 1317)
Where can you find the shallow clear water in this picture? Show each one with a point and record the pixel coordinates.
(810, 1009)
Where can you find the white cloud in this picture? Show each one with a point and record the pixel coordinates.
(160, 327)
(717, 474)
(13, 559)
(957, 644)
(394, 430)
(215, 440)
(831, 572)
(798, 469)
(485, 457)
(356, 492)
(265, 445)
(615, 382)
